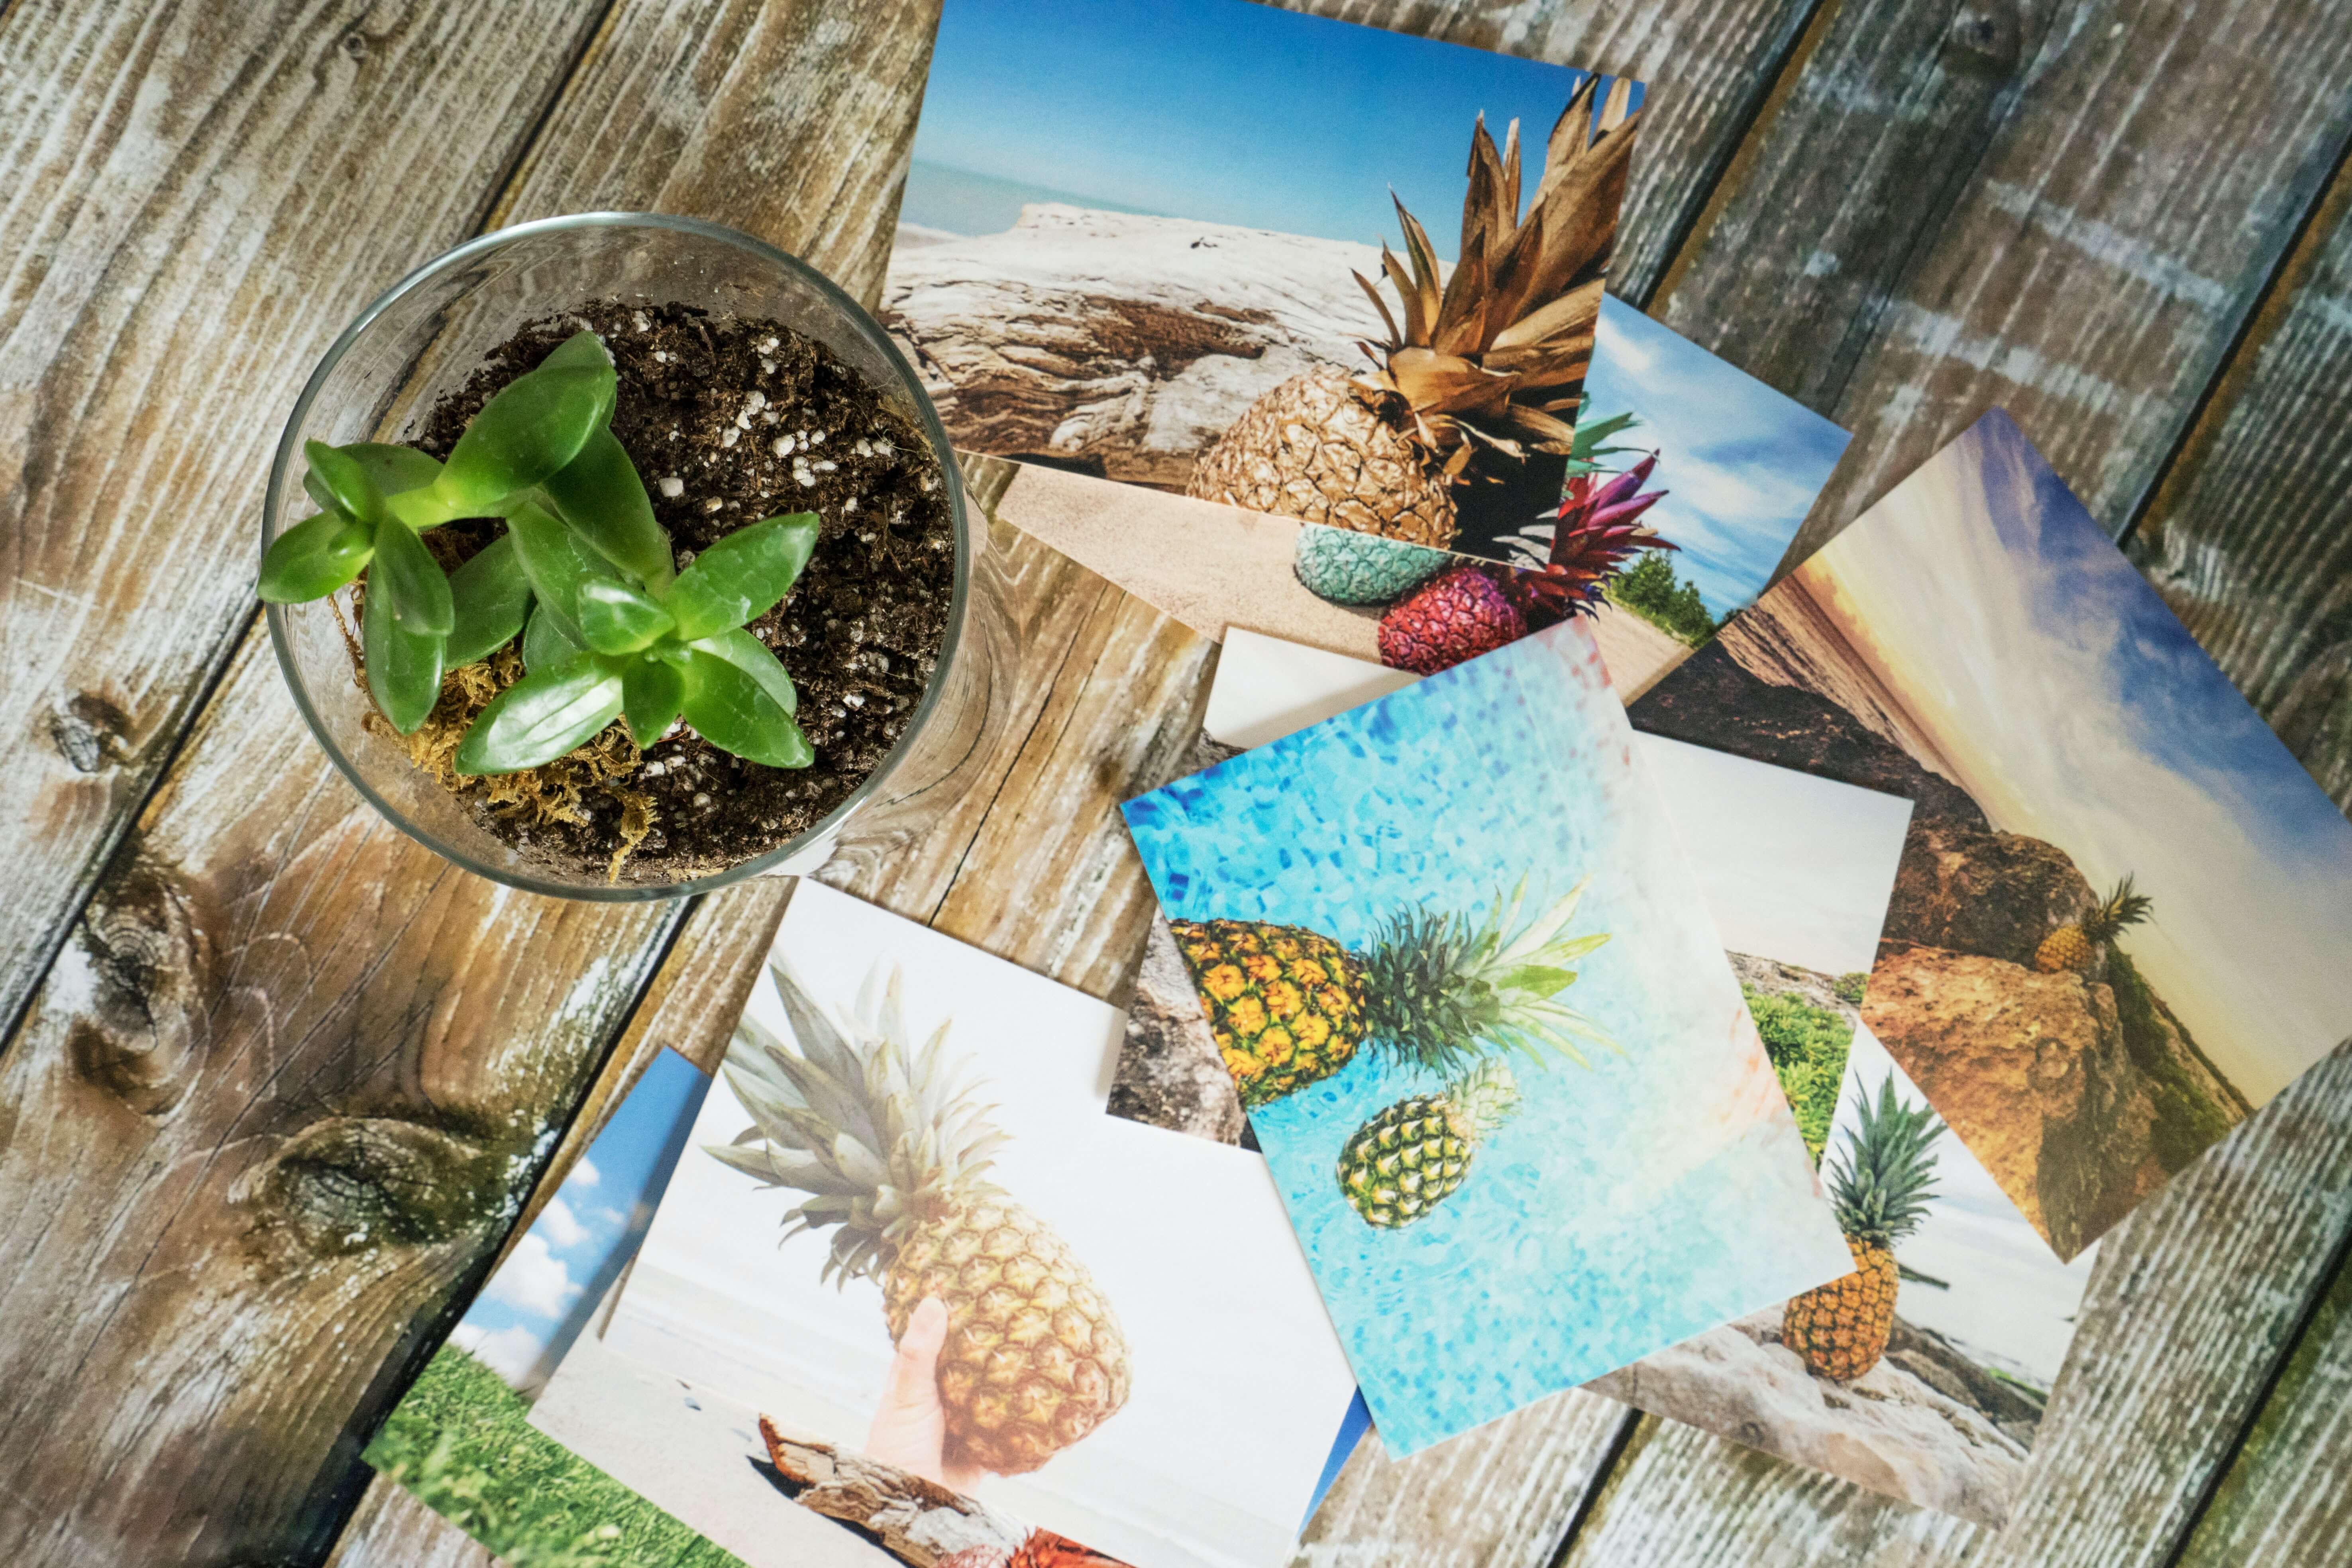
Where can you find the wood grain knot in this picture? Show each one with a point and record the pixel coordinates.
(147, 965)
(91, 733)
(1987, 40)
(350, 1183)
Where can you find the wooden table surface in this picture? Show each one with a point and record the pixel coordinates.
(276, 1084)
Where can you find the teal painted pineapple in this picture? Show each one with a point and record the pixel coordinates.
(1350, 568)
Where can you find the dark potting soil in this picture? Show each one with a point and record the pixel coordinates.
(730, 421)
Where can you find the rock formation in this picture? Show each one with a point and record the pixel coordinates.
(1925, 1439)
(2079, 1093)
(1120, 343)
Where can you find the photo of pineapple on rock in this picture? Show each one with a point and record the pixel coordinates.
(1495, 1054)
(2120, 921)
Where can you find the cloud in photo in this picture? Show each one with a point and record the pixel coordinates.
(533, 1280)
(1740, 463)
(512, 1353)
(563, 1228)
(584, 1174)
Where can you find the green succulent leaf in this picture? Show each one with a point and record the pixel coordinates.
(491, 596)
(406, 574)
(314, 558)
(653, 690)
(350, 487)
(403, 666)
(752, 657)
(396, 470)
(558, 563)
(545, 643)
(536, 424)
(742, 575)
(616, 618)
(541, 717)
(734, 712)
(601, 496)
(584, 350)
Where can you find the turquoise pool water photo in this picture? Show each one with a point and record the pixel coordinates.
(1619, 1207)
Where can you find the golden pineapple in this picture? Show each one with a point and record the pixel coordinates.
(1416, 1154)
(1288, 1006)
(1879, 1183)
(1483, 369)
(2075, 948)
(895, 1151)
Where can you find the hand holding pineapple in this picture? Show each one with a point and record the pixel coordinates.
(911, 1424)
(890, 1145)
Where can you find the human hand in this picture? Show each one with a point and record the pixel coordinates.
(910, 1428)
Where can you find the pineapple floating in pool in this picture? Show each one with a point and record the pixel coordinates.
(1880, 1186)
(893, 1150)
(1414, 1155)
(2075, 948)
(1290, 1006)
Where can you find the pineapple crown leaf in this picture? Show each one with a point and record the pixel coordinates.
(1882, 1176)
(1500, 347)
(2121, 908)
(1443, 991)
(875, 1132)
(1485, 1095)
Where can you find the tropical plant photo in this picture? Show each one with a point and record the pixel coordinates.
(1458, 1046)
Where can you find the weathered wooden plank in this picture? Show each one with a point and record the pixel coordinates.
(790, 122)
(1500, 1497)
(392, 1529)
(2283, 1502)
(2195, 1299)
(1709, 66)
(296, 1076)
(193, 200)
(2063, 207)
(2250, 537)
(282, 1089)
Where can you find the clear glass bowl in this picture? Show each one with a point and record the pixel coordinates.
(424, 338)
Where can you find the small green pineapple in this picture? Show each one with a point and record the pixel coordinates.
(1416, 1154)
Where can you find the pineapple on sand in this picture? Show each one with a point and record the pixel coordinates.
(1880, 1182)
(1288, 1006)
(1482, 370)
(891, 1147)
(2075, 948)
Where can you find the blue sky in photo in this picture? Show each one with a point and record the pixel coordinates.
(1216, 109)
(537, 1302)
(1739, 462)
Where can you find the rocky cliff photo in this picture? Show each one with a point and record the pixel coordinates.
(2081, 1092)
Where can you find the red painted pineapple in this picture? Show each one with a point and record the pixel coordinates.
(1470, 610)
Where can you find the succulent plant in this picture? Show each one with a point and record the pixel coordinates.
(584, 572)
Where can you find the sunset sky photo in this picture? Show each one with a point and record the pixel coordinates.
(2076, 709)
